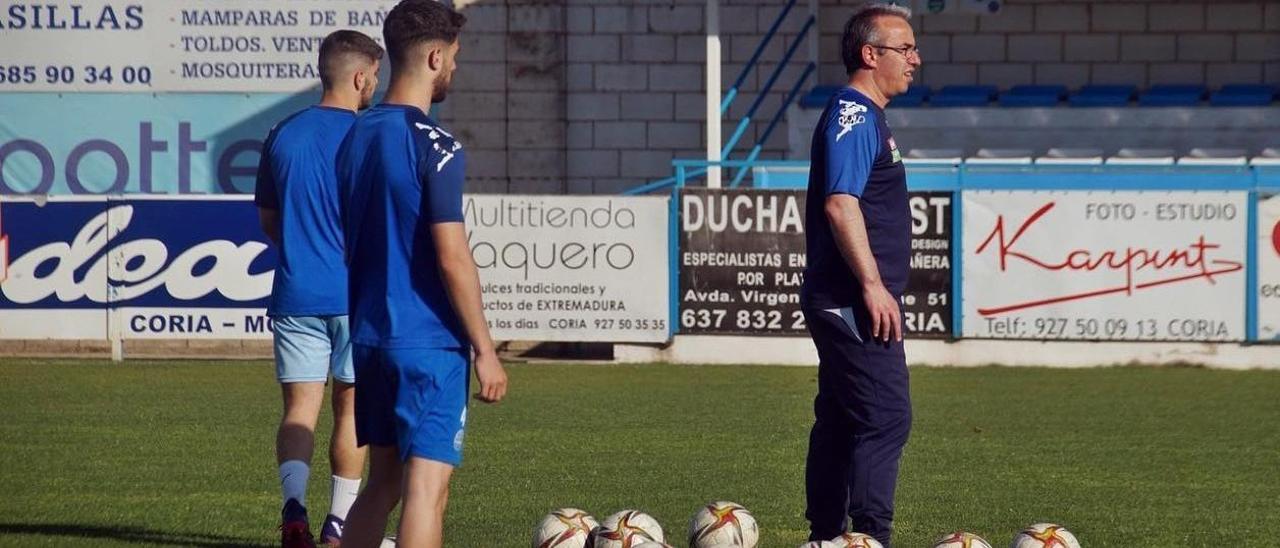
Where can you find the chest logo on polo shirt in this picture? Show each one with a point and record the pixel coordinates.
(850, 115)
(893, 148)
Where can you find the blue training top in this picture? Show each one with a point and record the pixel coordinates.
(296, 178)
(853, 153)
(399, 173)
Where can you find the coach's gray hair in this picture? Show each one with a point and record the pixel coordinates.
(860, 30)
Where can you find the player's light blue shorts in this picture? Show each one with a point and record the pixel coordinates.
(310, 348)
(414, 399)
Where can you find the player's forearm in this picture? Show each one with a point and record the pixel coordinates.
(850, 232)
(462, 283)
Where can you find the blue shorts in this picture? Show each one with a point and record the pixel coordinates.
(414, 399)
(310, 348)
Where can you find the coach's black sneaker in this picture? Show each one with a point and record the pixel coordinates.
(295, 531)
(331, 532)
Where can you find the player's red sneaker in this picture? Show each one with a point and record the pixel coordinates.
(295, 532)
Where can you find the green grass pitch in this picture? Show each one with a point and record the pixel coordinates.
(180, 453)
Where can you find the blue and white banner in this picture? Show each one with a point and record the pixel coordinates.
(173, 45)
(137, 268)
(553, 268)
(100, 144)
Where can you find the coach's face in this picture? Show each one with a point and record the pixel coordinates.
(897, 61)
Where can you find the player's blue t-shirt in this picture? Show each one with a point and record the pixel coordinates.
(399, 173)
(853, 153)
(296, 177)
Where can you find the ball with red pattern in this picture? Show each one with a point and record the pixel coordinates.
(961, 539)
(625, 529)
(723, 524)
(1045, 535)
(856, 540)
(564, 528)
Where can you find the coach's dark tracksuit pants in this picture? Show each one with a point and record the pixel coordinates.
(862, 419)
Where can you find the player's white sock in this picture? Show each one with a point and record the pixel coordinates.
(344, 495)
(293, 480)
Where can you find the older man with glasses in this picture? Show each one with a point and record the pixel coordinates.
(859, 248)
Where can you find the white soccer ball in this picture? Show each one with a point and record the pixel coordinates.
(626, 529)
(564, 528)
(961, 539)
(819, 544)
(856, 540)
(388, 542)
(1045, 535)
(723, 524)
(652, 544)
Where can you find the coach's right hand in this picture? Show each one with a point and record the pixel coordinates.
(492, 377)
(886, 317)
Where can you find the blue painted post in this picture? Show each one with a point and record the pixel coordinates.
(957, 257)
(1251, 268)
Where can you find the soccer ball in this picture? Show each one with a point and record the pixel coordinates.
(961, 539)
(723, 525)
(652, 544)
(1045, 535)
(819, 544)
(856, 540)
(625, 529)
(564, 528)
(388, 542)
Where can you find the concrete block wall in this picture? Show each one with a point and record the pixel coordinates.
(596, 96)
(1075, 42)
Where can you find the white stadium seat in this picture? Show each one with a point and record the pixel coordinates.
(1071, 156)
(933, 156)
(1001, 156)
(1214, 157)
(1142, 157)
(1268, 157)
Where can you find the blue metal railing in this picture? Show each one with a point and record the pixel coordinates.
(733, 93)
(755, 58)
(764, 92)
(773, 123)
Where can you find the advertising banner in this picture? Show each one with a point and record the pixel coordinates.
(572, 268)
(1124, 265)
(86, 144)
(78, 269)
(1269, 268)
(553, 268)
(173, 45)
(742, 261)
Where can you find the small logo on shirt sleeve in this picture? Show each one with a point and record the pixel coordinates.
(850, 115)
(446, 149)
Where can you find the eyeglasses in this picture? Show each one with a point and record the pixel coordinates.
(905, 51)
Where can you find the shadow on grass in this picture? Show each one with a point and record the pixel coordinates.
(129, 534)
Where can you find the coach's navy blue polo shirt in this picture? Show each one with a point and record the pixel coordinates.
(853, 153)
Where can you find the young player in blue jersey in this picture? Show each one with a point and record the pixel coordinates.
(416, 316)
(297, 199)
(858, 235)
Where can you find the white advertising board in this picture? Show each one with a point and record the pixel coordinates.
(572, 268)
(1131, 265)
(173, 45)
(1269, 268)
